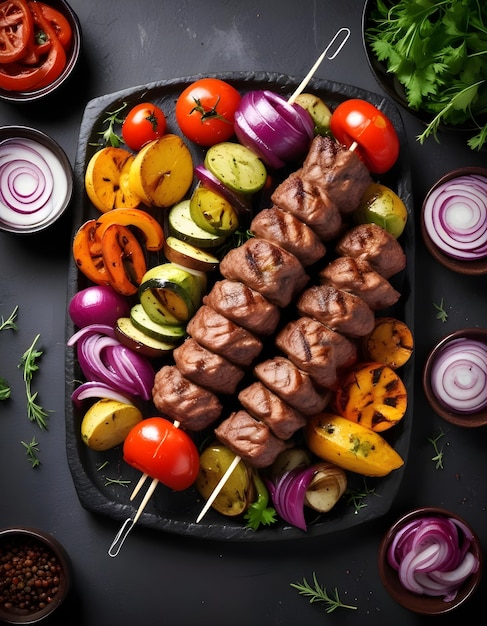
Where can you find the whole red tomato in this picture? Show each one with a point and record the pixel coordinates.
(359, 123)
(205, 111)
(162, 451)
(144, 123)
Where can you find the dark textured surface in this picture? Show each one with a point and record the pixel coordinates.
(165, 578)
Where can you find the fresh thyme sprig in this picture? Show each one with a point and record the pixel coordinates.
(357, 496)
(438, 458)
(31, 450)
(442, 314)
(28, 364)
(317, 593)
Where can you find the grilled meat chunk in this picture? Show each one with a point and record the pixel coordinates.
(337, 172)
(376, 245)
(244, 306)
(340, 310)
(303, 199)
(219, 334)
(250, 439)
(290, 233)
(305, 343)
(358, 277)
(264, 405)
(206, 368)
(291, 384)
(182, 400)
(267, 268)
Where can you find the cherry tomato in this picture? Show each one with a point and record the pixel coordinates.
(359, 122)
(144, 123)
(162, 451)
(205, 111)
(16, 29)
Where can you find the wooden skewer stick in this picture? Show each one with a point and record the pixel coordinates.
(342, 31)
(218, 488)
(129, 523)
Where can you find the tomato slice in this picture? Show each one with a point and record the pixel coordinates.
(360, 124)
(162, 451)
(59, 23)
(16, 30)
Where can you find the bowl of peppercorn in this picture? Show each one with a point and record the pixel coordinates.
(35, 575)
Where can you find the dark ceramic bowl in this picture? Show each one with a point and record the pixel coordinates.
(466, 420)
(391, 85)
(419, 603)
(63, 180)
(473, 267)
(21, 539)
(72, 58)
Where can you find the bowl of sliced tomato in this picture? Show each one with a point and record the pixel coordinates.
(40, 45)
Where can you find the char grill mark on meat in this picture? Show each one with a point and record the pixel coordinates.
(262, 404)
(219, 334)
(250, 439)
(291, 384)
(305, 343)
(290, 233)
(337, 172)
(375, 245)
(303, 199)
(340, 310)
(184, 401)
(267, 268)
(243, 306)
(206, 368)
(358, 277)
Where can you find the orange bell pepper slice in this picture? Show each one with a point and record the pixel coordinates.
(148, 225)
(123, 258)
(88, 255)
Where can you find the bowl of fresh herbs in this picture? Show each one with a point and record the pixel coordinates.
(431, 58)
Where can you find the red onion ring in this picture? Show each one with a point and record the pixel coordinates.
(459, 376)
(432, 556)
(94, 389)
(288, 495)
(33, 184)
(455, 217)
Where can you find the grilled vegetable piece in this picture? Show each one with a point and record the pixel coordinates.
(162, 171)
(183, 227)
(124, 259)
(212, 212)
(390, 342)
(238, 491)
(350, 445)
(107, 422)
(237, 167)
(326, 487)
(107, 180)
(187, 255)
(139, 341)
(372, 394)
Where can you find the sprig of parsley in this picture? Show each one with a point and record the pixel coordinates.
(317, 593)
(437, 50)
(109, 135)
(28, 364)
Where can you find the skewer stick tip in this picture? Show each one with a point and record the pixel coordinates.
(218, 488)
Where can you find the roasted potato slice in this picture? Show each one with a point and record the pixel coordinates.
(390, 342)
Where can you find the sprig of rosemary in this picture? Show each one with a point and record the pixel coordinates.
(441, 314)
(438, 458)
(31, 450)
(318, 593)
(116, 481)
(28, 364)
(5, 324)
(10, 321)
(357, 496)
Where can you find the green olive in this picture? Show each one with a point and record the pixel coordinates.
(380, 205)
(237, 492)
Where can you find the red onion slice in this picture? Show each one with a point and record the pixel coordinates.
(33, 183)
(455, 217)
(459, 376)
